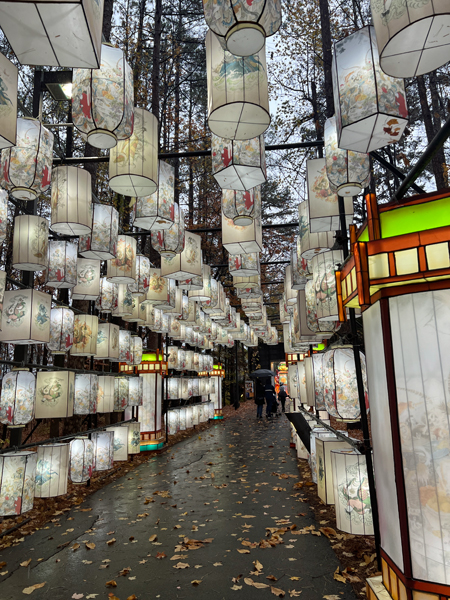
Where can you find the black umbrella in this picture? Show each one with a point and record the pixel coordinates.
(262, 373)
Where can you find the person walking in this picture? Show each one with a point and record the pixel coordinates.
(259, 399)
(269, 393)
(282, 395)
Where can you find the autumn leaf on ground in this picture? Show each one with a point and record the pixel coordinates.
(111, 541)
(332, 597)
(111, 583)
(153, 538)
(338, 576)
(91, 596)
(75, 547)
(181, 565)
(178, 556)
(258, 566)
(36, 586)
(196, 582)
(277, 592)
(243, 551)
(124, 572)
(77, 596)
(90, 545)
(236, 587)
(217, 564)
(25, 563)
(294, 593)
(272, 578)
(2, 564)
(295, 578)
(133, 597)
(161, 555)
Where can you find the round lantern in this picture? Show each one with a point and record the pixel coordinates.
(61, 330)
(169, 242)
(86, 394)
(156, 211)
(17, 482)
(122, 268)
(238, 101)
(107, 342)
(311, 243)
(103, 99)
(136, 350)
(135, 391)
(238, 165)
(242, 207)
(105, 402)
(142, 281)
(351, 493)
(121, 393)
(54, 394)
(134, 438)
(124, 345)
(81, 462)
(103, 450)
(244, 265)
(71, 201)
(27, 167)
(348, 172)
(85, 333)
(17, 399)
(379, 114)
(340, 386)
(30, 243)
(101, 243)
(108, 297)
(133, 163)
(123, 302)
(62, 264)
(52, 470)
(3, 215)
(324, 277)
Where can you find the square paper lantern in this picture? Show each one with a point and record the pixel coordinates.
(108, 297)
(124, 301)
(186, 264)
(103, 450)
(205, 293)
(81, 462)
(238, 101)
(182, 418)
(120, 443)
(324, 446)
(85, 334)
(54, 394)
(58, 34)
(158, 287)
(324, 267)
(196, 385)
(173, 418)
(105, 402)
(351, 492)
(244, 265)
(370, 106)
(156, 211)
(122, 268)
(88, 280)
(121, 393)
(238, 165)
(71, 201)
(310, 326)
(86, 394)
(8, 116)
(17, 482)
(311, 243)
(17, 400)
(26, 317)
(135, 391)
(241, 240)
(134, 438)
(314, 434)
(62, 264)
(133, 163)
(101, 243)
(52, 470)
(61, 330)
(30, 243)
(322, 202)
(300, 269)
(172, 357)
(107, 342)
(189, 360)
(141, 284)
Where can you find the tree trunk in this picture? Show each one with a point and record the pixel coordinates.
(156, 58)
(327, 56)
(107, 19)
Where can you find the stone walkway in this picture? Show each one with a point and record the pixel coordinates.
(223, 491)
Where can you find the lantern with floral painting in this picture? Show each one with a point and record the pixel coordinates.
(85, 333)
(170, 241)
(26, 317)
(18, 398)
(311, 243)
(158, 287)
(108, 296)
(62, 264)
(81, 461)
(123, 304)
(30, 243)
(136, 350)
(140, 286)
(324, 278)
(300, 272)
(120, 443)
(121, 393)
(101, 243)
(156, 211)
(105, 402)
(54, 394)
(103, 450)
(205, 293)
(238, 239)
(135, 391)
(185, 264)
(124, 345)
(238, 164)
(17, 482)
(340, 385)
(8, 117)
(107, 342)
(52, 470)
(244, 265)
(310, 326)
(134, 438)
(61, 330)
(122, 268)
(242, 207)
(86, 394)
(88, 280)
(135, 315)
(71, 201)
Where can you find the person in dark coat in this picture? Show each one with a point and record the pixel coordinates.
(270, 398)
(282, 395)
(259, 398)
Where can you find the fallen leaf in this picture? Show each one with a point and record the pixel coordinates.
(2, 564)
(338, 576)
(36, 586)
(161, 555)
(111, 541)
(133, 597)
(77, 596)
(85, 510)
(153, 538)
(178, 556)
(124, 572)
(236, 587)
(294, 593)
(277, 592)
(272, 578)
(295, 578)
(258, 566)
(75, 547)
(196, 581)
(198, 566)
(111, 583)
(90, 545)
(25, 563)
(91, 596)
(217, 564)
(332, 597)
(243, 551)
(181, 565)
(87, 562)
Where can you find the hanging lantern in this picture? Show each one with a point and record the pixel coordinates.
(173, 388)
(108, 297)
(186, 389)
(162, 324)
(189, 417)
(105, 402)
(124, 345)
(122, 269)
(62, 265)
(310, 326)
(26, 317)
(182, 418)
(52, 470)
(240, 83)
(299, 268)
(81, 462)
(311, 243)
(141, 284)
(61, 330)
(54, 394)
(246, 286)
(340, 386)
(71, 201)
(205, 293)
(169, 242)
(8, 118)
(17, 482)
(351, 493)
(135, 316)
(322, 202)
(30, 243)
(153, 317)
(156, 211)
(242, 207)
(136, 350)
(135, 391)
(3, 209)
(86, 394)
(348, 172)
(175, 311)
(212, 304)
(195, 380)
(150, 411)
(103, 450)
(121, 393)
(26, 168)
(325, 444)
(134, 438)
(244, 265)
(107, 342)
(17, 399)
(291, 294)
(124, 301)
(238, 165)
(85, 333)
(195, 414)
(120, 443)
(158, 287)
(241, 240)
(168, 303)
(194, 283)
(101, 243)
(133, 163)
(379, 115)
(185, 264)
(324, 277)
(103, 99)
(318, 374)
(173, 418)
(88, 280)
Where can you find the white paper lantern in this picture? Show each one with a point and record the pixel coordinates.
(241, 240)
(135, 391)
(150, 411)
(182, 417)
(8, 118)
(81, 462)
(340, 385)
(54, 394)
(17, 482)
(195, 380)
(158, 287)
(120, 443)
(141, 284)
(310, 326)
(26, 317)
(61, 330)
(238, 165)
(121, 393)
(86, 394)
(17, 399)
(122, 268)
(134, 438)
(173, 418)
(324, 267)
(136, 350)
(312, 243)
(299, 268)
(244, 265)
(107, 299)
(88, 280)
(242, 207)
(52, 470)
(124, 345)
(123, 302)
(101, 243)
(103, 450)
(105, 402)
(62, 264)
(107, 342)
(193, 283)
(3, 207)
(205, 293)
(71, 201)
(156, 211)
(30, 243)
(186, 264)
(85, 334)
(170, 241)
(173, 391)
(195, 414)
(136, 315)
(189, 417)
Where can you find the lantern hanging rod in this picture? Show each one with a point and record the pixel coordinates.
(265, 226)
(390, 167)
(64, 437)
(25, 365)
(354, 443)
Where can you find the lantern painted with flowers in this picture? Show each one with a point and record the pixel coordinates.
(238, 164)
(54, 394)
(120, 444)
(62, 264)
(185, 264)
(340, 387)
(107, 342)
(86, 394)
(52, 470)
(122, 268)
(156, 211)
(205, 293)
(101, 243)
(103, 450)
(61, 330)
(123, 302)
(17, 399)
(105, 402)
(300, 272)
(134, 438)
(136, 350)
(242, 207)
(238, 239)
(135, 391)
(108, 297)
(121, 393)
(30, 243)
(88, 280)
(244, 265)
(124, 345)
(8, 116)
(142, 282)
(169, 242)
(85, 335)
(81, 461)
(71, 201)
(158, 287)
(26, 317)
(17, 482)
(324, 277)
(311, 243)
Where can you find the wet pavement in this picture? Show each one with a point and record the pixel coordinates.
(221, 488)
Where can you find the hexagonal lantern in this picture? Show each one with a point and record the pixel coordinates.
(101, 243)
(62, 264)
(169, 242)
(238, 164)
(122, 268)
(242, 207)
(156, 211)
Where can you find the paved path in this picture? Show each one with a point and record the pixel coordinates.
(220, 488)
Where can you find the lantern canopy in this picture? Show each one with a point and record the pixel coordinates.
(101, 243)
(244, 265)
(17, 399)
(134, 438)
(30, 243)
(142, 281)
(324, 277)
(54, 394)
(169, 242)
(103, 99)
(62, 264)
(241, 240)
(133, 163)
(311, 243)
(156, 211)
(103, 450)
(107, 342)
(61, 330)
(121, 393)
(108, 296)
(86, 394)
(81, 462)
(122, 268)
(17, 482)
(238, 102)
(340, 387)
(238, 165)
(348, 172)
(26, 168)
(379, 115)
(205, 293)
(88, 280)
(26, 317)
(71, 201)
(8, 116)
(85, 335)
(52, 470)
(242, 207)
(187, 263)
(105, 402)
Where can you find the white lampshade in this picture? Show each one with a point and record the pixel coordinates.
(134, 438)
(120, 443)
(86, 394)
(205, 293)
(312, 243)
(150, 411)
(153, 316)
(142, 281)
(26, 169)
(158, 287)
(325, 444)
(88, 280)
(182, 417)
(101, 243)
(324, 267)
(380, 114)
(195, 414)
(136, 315)
(290, 292)
(238, 101)
(61, 330)
(133, 163)
(136, 350)
(103, 99)
(81, 462)
(299, 268)
(54, 394)
(186, 388)
(189, 357)
(156, 211)
(238, 165)
(122, 268)
(173, 391)
(3, 207)
(18, 398)
(121, 393)
(85, 333)
(108, 297)
(107, 342)
(189, 417)
(123, 301)
(8, 118)
(247, 287)
(170, 241)
(194, 283)
(173, 417)
(161, 322)
(52, 470)
(172, 357)
(135, 391)
(62, 264)
(105, 402)
(30, 243)
(185, 264)
(314, 434)
(17, 482)
(310, 326)
(242, 207)
(318, 375)
(26, 317)
(195, 380)
(71, 201)
(103, 450)
(244, 265)
(239, 239)
(340, 386)
(124, 345)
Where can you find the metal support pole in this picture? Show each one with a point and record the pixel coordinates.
(236, 372)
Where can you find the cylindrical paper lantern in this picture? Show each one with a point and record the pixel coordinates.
(142, 281)
(30, 243)
(307, 311)
(156, 211)
(238, 165)
(124, 345)
(17, 482)
(124, 301)
(17, 399)
(136, 350)
(244, 265)
(340, 385)
(52, 470)
(54, 394)
(88, 280)
(324, 277)
(103, 450)
(108, 296)
(81, 462)
(121, 393)
(108, 342)
(135, 391)
(133, 163)
(122, 269)
(86, 394)
(105, 402)
(242, 207)
(173, 391)
(103, 99)
(61, 330)
(173, 417)
(71, 201)
(62, 264)
(101, 243)
(134, 438)
(170, 241)
(238, 102)
(85, 335)
(311, 243)
(26, 168)
(205, 293)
